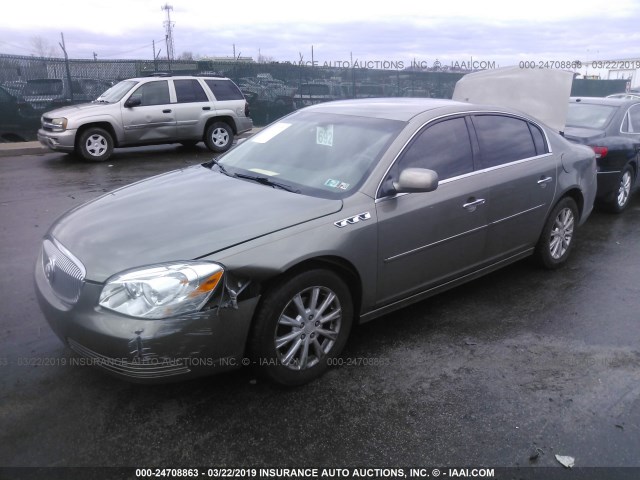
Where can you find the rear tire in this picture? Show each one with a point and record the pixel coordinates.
(302, 325)
(558, 235)
(95, 144)
(219, 137)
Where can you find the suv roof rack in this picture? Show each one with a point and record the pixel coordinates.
(160, 74)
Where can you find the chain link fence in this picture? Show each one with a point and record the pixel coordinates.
(30, 86)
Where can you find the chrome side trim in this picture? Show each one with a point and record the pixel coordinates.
(517, 214)
(424, 247)
(419, 249)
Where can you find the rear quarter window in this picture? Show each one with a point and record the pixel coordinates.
(538, 139)
(224, 90)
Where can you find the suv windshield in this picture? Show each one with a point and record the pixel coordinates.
(319, 154)
(115, 93)
(589, 115)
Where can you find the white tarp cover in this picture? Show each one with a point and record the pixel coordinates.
(542, 93)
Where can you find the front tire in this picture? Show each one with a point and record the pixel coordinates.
(558, 235)
(302, 325)
(621, 197)
(95, 144)
(219, 137)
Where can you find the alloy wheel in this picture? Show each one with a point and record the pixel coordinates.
(561, 233)
(308, 327)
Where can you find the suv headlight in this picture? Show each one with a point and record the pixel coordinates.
(59, 124)
(160, 291)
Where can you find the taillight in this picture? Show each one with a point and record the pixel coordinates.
(247, 111)
(601, 152)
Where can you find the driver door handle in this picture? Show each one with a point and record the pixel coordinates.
(472, 203)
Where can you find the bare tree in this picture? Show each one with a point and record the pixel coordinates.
(265, 59)
(185, 56)
(42, 48)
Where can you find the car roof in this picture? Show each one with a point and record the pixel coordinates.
(403, 109)
(176, 77)
(614, 102)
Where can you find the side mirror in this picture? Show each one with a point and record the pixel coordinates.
(415, 180)
(133, 101)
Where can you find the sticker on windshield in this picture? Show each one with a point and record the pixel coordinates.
(268, 133)
(336, 184)
(324, 135)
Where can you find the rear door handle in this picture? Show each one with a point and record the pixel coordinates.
(168, 110)
(544, 180)
(206, 108)
(472, 204)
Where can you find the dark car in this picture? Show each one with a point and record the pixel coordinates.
(16, 120)
(611, 126)
(338, 213)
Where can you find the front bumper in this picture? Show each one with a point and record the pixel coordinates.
(147, 351)
(58, 141)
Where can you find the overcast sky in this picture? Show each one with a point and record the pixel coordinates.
(398, 30)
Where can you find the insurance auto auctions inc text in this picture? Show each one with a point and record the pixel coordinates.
(390, 473)
(469, 64)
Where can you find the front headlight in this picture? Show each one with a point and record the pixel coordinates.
(160, 291)
(59, 124)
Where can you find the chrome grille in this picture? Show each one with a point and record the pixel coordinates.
(64, 272)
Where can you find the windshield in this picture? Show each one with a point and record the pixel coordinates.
(589, 115)
(319, 154)
(115, 93)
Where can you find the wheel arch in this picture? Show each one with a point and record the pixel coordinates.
(577, 196)
(338, 265)
(104, 125)
(222, 118)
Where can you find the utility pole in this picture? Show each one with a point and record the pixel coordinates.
(95, 57)
(168, 26)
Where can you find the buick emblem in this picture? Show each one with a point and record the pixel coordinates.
(49, 269)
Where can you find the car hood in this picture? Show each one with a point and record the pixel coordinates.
(73, 109)
(583, 135)
(181, 215)
(542, 93)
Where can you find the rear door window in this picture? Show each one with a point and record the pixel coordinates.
(224, 89)
(502, 140)
(188, 91)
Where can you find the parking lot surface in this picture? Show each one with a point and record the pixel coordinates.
(508, 370)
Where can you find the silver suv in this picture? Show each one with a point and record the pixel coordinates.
(151, 110)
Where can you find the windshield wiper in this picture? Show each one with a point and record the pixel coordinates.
(101, 100)
(220, 166)
(267, 181)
